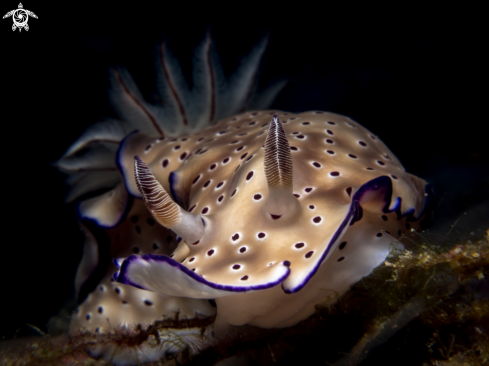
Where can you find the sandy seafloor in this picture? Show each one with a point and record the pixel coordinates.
(415, 76)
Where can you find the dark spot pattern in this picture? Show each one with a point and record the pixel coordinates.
(342, 245)
(309, 254)
(299, 245)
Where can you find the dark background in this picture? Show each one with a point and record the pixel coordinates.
(414, 75)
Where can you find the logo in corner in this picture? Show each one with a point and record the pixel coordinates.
(20, 17)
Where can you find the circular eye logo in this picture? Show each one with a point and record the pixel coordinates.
(20, 17)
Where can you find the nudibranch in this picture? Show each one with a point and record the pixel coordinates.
(275, 211)
(255, 217)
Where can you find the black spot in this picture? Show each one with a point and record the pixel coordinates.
(309, 254)
(236, 267)
(192, 208)
(309, 189)
(295, 133)
(237, 168)
(196, 179)
(206, 184)
(299, 245)
(135, 250)
(234, 142)
(287, 263)
(234, 192)
(275, 217)
(183, 156)
(296, 195)
(361, 143)
(342, 245)
(134, 219)
(330, 152)
(329, 141)
(352, 156)
(331, 123)
(317, 219)
(348, 191)
(242, 249)
(316, 164)
(369, 169)
(293, 148)
(100, 310)
(340, 259)
(244, 278)
(252, 123)
(210, 252)
(311, 207)
(88, 316)
(193, 269)
(384, 218)
(199, 140)
(334, 174)
(243, 156)
(205, 210)
(222, 132)
(197, 242)
(148, 147)
(212, 167)
(165, 163)
(191, 259)
(221, 197)
(257, 197)
(249, 158)
(261, 235)
(372, 137)
(394, 177)
(250, 175)
(177, 147)
(117, 290)
(380, 162)
(155, 246)
(173, 140)
(102, 288)
(225, 160)
(378, 235)
(150, 221)
(138, 229)
(300, 137)
(220, 184)
(329, 132)
(240, 148)
(235, 237)
(306, 123)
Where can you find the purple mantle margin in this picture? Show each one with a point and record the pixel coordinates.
(382, 185)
